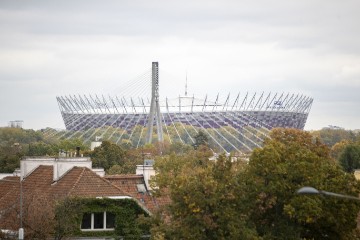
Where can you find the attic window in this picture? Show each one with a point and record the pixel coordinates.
(98, 221)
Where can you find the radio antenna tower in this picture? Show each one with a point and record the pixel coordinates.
(155, 106)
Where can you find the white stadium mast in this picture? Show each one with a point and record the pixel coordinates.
(154, 107)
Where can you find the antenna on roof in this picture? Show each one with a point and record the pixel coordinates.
(186, 85)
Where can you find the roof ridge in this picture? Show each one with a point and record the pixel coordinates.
(78, 179)
(33, 170)
(62, 176)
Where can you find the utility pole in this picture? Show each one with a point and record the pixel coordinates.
(21, 229)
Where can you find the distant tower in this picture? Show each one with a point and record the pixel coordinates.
(154, 107)
(186, 86)
(16, 124)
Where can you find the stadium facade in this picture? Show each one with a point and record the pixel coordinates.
(246, 112)
(78, 115)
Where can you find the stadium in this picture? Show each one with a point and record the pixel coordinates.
(239, 122)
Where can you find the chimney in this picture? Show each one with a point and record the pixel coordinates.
(77, 152)
(147, 170)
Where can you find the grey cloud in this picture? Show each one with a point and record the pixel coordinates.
(61, 47)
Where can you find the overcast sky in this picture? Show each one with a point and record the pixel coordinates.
(53, 48)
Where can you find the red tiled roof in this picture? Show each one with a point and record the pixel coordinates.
(9, 201)
(79, 181)
(7, 184)
(40, 179)
(83, 182)
(129, 183)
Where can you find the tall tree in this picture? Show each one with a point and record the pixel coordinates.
(108, 155)
(205, 199)
(338, 148)
(287, 162)
(350, 157)
(332, 136)
(9, 136)
(200, 139)
(10, 158)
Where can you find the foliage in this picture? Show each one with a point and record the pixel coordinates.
(338, 148)
(287, 162)
(41, 149)
(349, 158)
(38, 215)
(9, 136)
(36, 211)
(107, 155)
(200, 139)
(13, 146)
(116, 160)
(67, 217)
(10, 158)
(332, 136)
(177, 148)
(205, 202)
(69, 214)
(16, 143)
(52, 149)
(70, 144)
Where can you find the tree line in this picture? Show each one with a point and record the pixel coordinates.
(16, 143)
(225, 199)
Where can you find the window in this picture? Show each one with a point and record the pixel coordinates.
(86, 221)
(98, 221)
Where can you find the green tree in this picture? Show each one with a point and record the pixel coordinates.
(107, 155)
(9, 136)
(67, 217)
(41, 149)
(14, 145)
(332, 136)
(287, 162)
(10, 158)
(200, 139)
(350, 158)
(205, 199)
(129, 217)
(177, 148)
(338, 148)
(70, 144)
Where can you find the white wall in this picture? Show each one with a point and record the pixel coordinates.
(147, 171)
(61, 165)
(4, 175)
